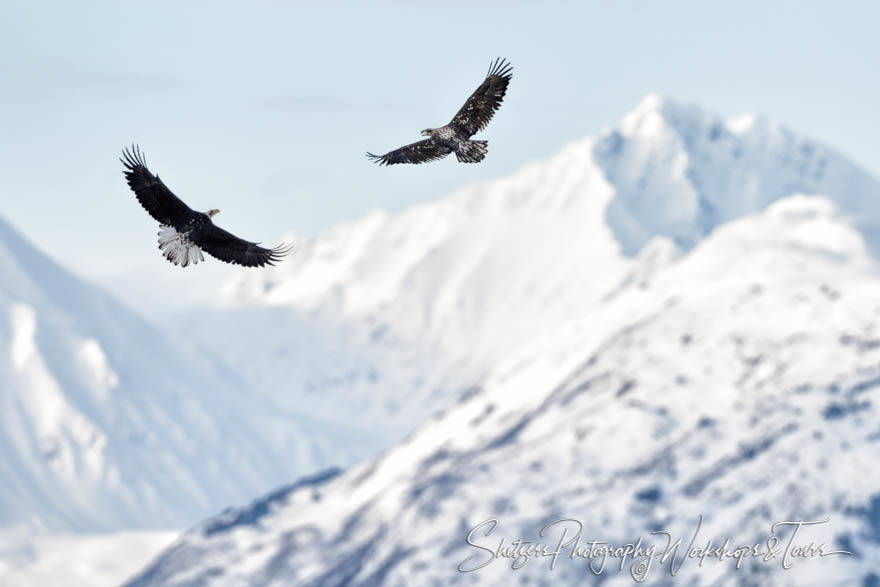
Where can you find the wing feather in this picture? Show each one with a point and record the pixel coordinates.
(420, 152)
(153, 195)
(482, 104)
(229, 248)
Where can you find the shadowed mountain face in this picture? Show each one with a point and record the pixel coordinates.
(636, 373)
(108, 423)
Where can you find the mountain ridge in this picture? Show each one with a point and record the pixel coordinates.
(696, 392)
(428, 300)
(714, 361)
(110, 423)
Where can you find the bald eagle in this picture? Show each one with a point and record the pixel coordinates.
(455, 136)
(185, 233)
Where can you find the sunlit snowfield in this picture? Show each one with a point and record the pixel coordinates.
(675, 318)
(76, 560)
(653, 305)
(671, 319)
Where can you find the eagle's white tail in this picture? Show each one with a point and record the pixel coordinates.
(472, 151)
(177, 247)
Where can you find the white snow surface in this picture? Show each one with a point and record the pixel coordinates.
(77, 560)
(106, 423)
(740, 382)
(675, 318)
(389, 318)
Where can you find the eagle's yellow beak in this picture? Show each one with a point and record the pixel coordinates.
(213, 212)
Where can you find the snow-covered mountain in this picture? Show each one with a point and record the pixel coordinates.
(740, 383)
(651, 326)
(107, 423)
(389, 318)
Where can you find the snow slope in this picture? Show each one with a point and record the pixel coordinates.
(77, 560)
(649, 327)
(740, 382)
(389, 318)
(106, 423)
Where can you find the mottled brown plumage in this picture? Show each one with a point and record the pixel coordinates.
(473, 117)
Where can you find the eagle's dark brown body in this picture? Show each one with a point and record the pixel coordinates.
(455, 136)
(185, 233)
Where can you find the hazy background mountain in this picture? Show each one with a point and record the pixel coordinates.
(739, 383)
(264, 109)
(660, 323)
(635, 288)
(442, 288)
(110, 423)
(390, 318)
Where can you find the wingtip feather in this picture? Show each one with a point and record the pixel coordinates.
(133, 157)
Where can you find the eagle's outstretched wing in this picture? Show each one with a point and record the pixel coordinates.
(479, 108)
(153, 195)
(229, 248)
(420, 152)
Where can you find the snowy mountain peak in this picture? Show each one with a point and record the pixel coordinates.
(735, 387)
(648, 117)
(668, 169)
(658, 117)
(425, 301)
(679, 171)
(107, 422)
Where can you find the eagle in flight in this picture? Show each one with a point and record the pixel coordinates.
(455, 136)
(185, 233)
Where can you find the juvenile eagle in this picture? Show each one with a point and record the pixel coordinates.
(455, 136)
(184, 232)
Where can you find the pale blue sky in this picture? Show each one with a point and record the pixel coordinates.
(264, 109)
